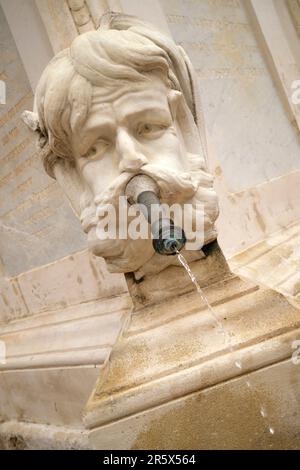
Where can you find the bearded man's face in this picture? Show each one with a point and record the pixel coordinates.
(124, 134)
(130, 134)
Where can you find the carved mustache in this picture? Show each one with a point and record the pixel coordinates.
(174, 186)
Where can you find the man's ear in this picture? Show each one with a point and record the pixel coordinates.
(174, 98)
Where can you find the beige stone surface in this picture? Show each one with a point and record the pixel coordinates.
(48, 395)
(244, 108)
(58, 21)
(37, 225)
(74, 336)
(249, 217)
(16, 435)
(183, 376)
(274, 27)
(249, 122)
(177, 347)
(274, 263)
(158, 287)
(28, 19)
(227, 416)
(53, 360)
(75, 279)
(72, 280)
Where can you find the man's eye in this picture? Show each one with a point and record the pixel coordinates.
(151, 130)
(97, 150)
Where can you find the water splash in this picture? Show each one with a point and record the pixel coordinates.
(263, 412)
(238, 364)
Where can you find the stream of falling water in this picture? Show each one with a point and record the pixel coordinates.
(238, 364)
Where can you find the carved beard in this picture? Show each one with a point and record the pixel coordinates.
(175, 187)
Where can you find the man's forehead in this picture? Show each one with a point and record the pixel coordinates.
(107, 112)
(135, 100)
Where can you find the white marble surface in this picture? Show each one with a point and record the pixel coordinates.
(70, 281)
(245, 114)
(55, 396)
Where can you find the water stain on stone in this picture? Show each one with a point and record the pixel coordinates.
(16, 443)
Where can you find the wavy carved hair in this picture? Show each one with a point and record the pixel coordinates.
(123, 50)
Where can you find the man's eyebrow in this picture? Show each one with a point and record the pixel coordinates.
(105, 124)
(151, 110)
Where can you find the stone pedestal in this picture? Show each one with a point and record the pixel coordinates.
(178, 378)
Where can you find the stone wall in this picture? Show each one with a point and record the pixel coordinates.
(37, 225)
(62, 313)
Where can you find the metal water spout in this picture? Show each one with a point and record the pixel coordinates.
(167, 238)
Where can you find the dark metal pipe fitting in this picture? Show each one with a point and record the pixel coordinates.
(167, 239)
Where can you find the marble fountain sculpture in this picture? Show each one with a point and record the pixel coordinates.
(122, 103)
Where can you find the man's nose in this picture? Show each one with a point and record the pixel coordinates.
(131, 159)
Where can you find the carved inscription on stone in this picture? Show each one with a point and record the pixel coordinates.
(249, 128)
(36, 224)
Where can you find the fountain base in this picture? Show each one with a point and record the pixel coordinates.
(172, 382)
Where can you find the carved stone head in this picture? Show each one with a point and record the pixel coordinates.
(122, 101)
